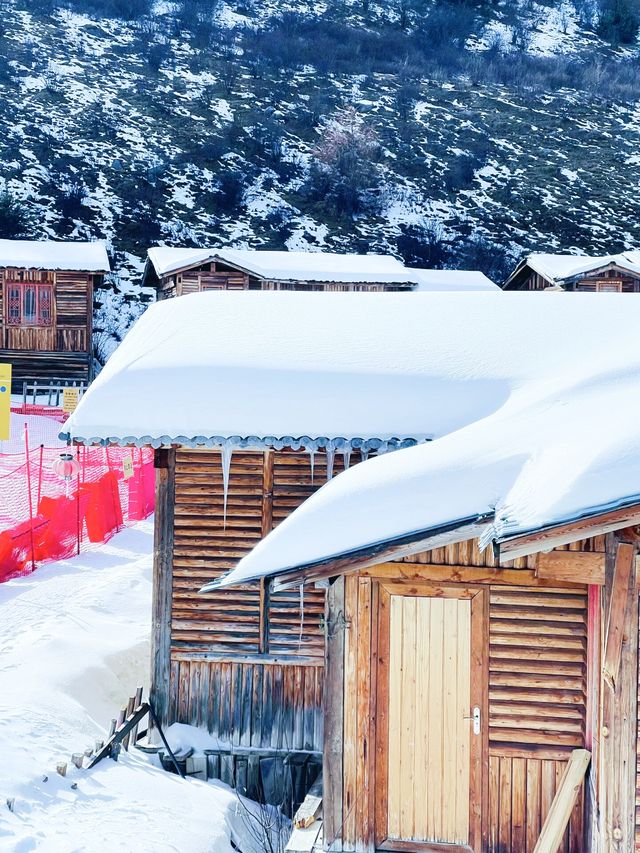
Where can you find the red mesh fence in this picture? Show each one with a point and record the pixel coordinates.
(44, 516)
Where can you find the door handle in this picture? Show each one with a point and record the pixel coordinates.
(476, 719)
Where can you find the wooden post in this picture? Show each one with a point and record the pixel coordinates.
(333, 699)
(619, 689)
(165, 464)
(267, 524)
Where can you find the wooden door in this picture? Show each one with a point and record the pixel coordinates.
(430, 718)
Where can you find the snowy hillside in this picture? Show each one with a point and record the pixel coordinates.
(74, 643)
(450, 133)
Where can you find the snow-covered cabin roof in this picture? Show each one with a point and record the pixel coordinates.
(318, 266)
(286, 266)
(249, 366)
(54, 255)
(561, 268)
(554, 438)
(433, 280)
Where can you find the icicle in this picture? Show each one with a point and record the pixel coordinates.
(301, 615)
(312, 460)
(227, 450)
(346, 456)
(331, 452)
(364, 453)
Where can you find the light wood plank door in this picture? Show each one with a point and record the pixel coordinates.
(429, 718)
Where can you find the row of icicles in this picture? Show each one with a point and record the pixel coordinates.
(227, 451)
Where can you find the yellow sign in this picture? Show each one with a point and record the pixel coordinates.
(5, 401)
(127, 466)
(70, 397)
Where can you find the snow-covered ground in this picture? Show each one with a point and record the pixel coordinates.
(74, 644)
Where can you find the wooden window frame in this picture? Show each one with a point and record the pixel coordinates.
(478, 784)
(43, 293)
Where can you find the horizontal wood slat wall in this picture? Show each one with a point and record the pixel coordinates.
(242, 666)
(61, 350)
(292, 628)
(537, 669)
(521, 791)
(205, 548)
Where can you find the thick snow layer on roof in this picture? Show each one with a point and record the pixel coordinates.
(251, 363)
(368, 365)
(430, 280)
(319, 266)
(54, 255)
(288, 266)
(561, 267)
(563, 440)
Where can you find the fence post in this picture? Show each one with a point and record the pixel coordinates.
(40, 477)
(78, 526)
(26, 450)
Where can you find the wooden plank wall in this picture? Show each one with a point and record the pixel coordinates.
(249, 704)
(537, 707)
(62, 350)
(246, 664)
(214, 276)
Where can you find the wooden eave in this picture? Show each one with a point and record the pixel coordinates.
(507, 549)
(593, 273)
(384, 551)
(519, 276)
(553, 536)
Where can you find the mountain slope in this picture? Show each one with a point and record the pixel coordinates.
(455, 134)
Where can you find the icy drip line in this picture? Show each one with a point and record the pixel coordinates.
(301, 616)
(311, 446)
(331, 453)
(226, 453)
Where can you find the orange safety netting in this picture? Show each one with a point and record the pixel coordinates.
(43, 517)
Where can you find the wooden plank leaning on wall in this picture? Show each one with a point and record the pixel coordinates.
(617, 759)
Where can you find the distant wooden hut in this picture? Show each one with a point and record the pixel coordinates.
(599, 274)
(175, 272)
(46, 307)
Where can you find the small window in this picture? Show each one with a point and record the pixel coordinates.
(609, 287)
(29, 304)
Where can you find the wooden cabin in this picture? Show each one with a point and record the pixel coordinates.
(605, 274)
(460, 687)
(445, 687)
(175, 272)
(46, 308)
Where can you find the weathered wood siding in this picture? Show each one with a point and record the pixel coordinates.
(245, 663)
(536, 701)
(216, 276)
(607, 281)
(60, 350)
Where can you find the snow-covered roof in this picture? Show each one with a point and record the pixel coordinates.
(287, 266)
(559, 268)
(54, 255)
(318, 266)
(211, 366)
(554, 437)
(433, 280)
